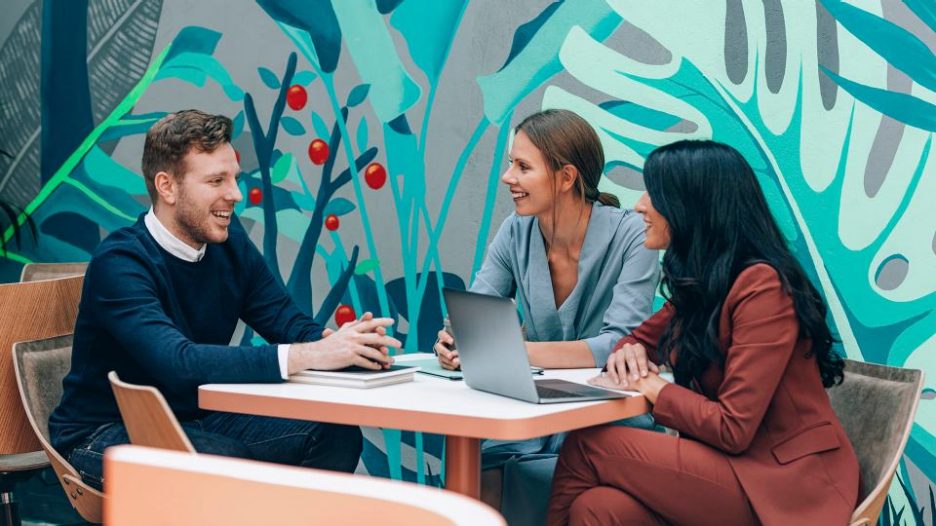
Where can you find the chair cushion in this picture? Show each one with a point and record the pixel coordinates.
(23, 461)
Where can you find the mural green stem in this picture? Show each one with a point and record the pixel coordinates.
(264, 142)
(434, 234)
(490, 196)
(430, 98)
(359, 195)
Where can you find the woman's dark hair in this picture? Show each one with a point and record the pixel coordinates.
(720, 224)
(563, 137)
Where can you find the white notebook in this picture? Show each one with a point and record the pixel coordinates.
(357, 376)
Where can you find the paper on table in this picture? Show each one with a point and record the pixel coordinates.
(430, 366)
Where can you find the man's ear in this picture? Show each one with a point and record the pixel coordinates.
(167, 187)
(566, 177)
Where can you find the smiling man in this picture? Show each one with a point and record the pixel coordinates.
(160, 303)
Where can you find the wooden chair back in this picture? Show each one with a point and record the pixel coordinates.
(876, 405)
(29, 311)
(212, 490)
(147, 416)
(42, 271)
(40, 366)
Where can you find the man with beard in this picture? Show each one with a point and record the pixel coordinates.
(160, 304)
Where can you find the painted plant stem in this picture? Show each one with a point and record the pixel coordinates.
(358, 193)
(337, 291)
(490, 196)
(300, 283)
(264, 142)
(434, 235)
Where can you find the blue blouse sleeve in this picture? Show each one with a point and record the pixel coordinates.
(496, 276)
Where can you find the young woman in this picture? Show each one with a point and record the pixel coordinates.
(575, 262)
(745, 333)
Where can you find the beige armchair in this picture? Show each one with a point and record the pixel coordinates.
(876, 405)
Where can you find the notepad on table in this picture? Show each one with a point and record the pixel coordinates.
(358, 377)
(430, 365)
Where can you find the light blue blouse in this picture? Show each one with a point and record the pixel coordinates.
(617, 277)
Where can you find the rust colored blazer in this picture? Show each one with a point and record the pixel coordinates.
(766, 409)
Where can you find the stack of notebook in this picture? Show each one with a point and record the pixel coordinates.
(357, 376)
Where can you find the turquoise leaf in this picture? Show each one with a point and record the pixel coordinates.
(357, 95)
(321, 129)
(640, 115)
(524, 33)
(292, 126)
(429, 26)
(317, 18)
(925, 9)
(900, 106)
(304, 78)
(195, 67)
(104, 170)
(238, 125)
(194, 39)
(339, 206)
(130, 125)
(895, 44)
(362, 135)
(269, 78)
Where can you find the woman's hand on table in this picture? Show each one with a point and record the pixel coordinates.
(445, 351)
(629, 369)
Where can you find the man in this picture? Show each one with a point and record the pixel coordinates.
(160, 303)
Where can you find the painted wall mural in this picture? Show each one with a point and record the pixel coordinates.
(372, 134)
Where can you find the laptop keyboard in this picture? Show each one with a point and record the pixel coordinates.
(550, 392)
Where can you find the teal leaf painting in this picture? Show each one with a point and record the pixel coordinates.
(304, 78)
(321, 129)
(292, 126)
(900, 106)
(895, 44)
(269, 78)
(358, 94)
(366, 266)
(339, 206)
(362, 134)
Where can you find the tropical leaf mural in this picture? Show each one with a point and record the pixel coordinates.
(833, 103)
(120, 37)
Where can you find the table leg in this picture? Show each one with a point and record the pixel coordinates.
(463, 465)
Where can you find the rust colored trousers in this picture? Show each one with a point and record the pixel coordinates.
(621, 475)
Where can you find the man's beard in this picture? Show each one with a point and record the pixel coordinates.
(191, 222)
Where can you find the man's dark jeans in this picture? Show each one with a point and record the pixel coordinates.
(280, 440)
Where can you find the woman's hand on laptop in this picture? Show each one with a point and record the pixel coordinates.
(445, 350)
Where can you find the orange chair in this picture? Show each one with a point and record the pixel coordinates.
(29, 311)
(212, 490)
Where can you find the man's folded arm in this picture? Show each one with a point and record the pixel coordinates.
(125, 303)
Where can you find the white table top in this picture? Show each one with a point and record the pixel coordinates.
(428, 404)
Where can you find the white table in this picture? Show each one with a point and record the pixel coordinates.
(427, 404)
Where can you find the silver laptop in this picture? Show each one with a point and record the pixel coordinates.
(493, 357)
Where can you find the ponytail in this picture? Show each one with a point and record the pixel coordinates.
(609, 199)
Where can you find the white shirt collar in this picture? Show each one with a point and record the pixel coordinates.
(169, 242)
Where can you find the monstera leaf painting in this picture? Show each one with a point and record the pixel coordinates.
(120, 36)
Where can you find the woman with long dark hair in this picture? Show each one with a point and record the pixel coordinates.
(745, 333)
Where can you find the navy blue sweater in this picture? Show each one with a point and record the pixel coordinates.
(162, 321)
